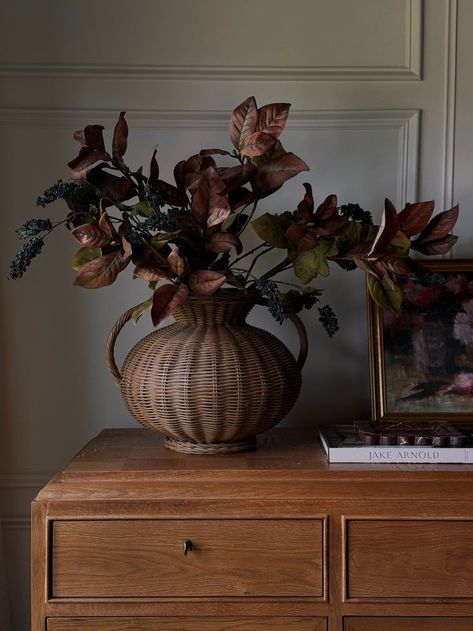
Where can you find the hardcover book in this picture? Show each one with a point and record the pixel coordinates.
(341, 443)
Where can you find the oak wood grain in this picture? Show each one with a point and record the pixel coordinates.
(408, 624)
(410, 559)
(120, 558)
(188, 624)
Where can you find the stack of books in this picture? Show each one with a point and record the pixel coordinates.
(349, 443)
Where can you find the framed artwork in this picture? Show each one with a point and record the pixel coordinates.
(421, 359)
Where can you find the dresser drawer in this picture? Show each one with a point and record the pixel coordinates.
(132, 558)
(187, 624)
(409, 559)
(406, 624)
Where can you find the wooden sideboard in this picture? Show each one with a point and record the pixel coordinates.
(133, 537)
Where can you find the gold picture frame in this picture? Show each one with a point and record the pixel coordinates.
(399, 389)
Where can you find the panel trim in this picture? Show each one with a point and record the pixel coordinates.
(410, 71)
(345, 519)
(406, 121)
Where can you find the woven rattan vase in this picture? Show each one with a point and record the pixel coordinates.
(210, 382)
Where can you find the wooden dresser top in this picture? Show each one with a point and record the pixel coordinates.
(134, 463)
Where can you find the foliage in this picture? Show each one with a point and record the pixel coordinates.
(184, 238)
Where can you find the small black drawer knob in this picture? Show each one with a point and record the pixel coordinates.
(187, 546)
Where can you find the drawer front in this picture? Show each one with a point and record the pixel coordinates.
(132, 558)
(407, 624)
(409, 559)
(187, 624)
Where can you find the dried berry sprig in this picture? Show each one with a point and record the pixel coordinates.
(22, 260)
(33, 227)
(59, 190)
(328, 320)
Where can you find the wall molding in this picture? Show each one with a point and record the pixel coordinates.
(410, 71)
(406, 121)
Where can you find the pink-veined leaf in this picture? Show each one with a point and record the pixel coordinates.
(165, 299)
(205, 282)
(272, 118)
(237, 176)
(415, 217)
(210, 194)
(176, 263)
(91, 235)
(272, 174)
(387, 230)
(439, 227)
(85, 161)
(150, 273)
(244, 121)
(256, 144)
(107, 227)
(102, 271)
(224, 242)
(441, 246)
(93, 137)
(217, 216)
(301, 238)
(212, 152)
(120, 139)
(327, 208)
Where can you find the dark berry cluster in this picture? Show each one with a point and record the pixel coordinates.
(431, 280)
(33, 227)
(328, 320)
(153, 195)
(269, 290)
(356, 213)
(29, 250)
(60, 190)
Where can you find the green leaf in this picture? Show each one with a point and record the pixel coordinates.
(354, 234)
(384, 296)
(143, 209)
(83, 256)
(272, 228)
(140, 309)
(307, 265)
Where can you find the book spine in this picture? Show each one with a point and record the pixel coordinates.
(398, 455)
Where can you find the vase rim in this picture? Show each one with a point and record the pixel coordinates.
(230, 295)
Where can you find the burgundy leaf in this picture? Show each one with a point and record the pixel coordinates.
(107, 226)
(327, 208)
(244, 121)
(179, 175)
(305, 208)
(102, 271)
(224, 242)
(212, 152)
(126, 248)
(414, 218)
(439, 227)
(209, 195)
(79, 136)
(387, 230)
(272, 118)
(441, 246)
(205, 282)
(93, 135)
(276, 171)
(120, 139)
(256, 144)
(301, 238)
(84, 162)
(176, 263)
(331, 226)
(235, 177)
(239, 197)
(150, 273)
(91, 235)
(153, 170)
(165, 299)
(218, 216)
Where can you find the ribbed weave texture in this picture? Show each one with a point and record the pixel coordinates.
(210, 377)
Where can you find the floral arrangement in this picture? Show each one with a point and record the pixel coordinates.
(185, 238)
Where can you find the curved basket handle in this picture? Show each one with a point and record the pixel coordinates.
(112, 338)
(304, 343)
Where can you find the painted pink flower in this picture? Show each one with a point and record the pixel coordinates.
(463, 324)
(463, 384)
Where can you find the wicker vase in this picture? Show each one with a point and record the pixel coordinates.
(210, 382)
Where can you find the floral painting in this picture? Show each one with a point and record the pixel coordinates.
(423, 355)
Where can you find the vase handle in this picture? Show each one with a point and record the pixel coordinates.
(112, 338)
(304, 343)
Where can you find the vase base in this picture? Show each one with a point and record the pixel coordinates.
(210, 449)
